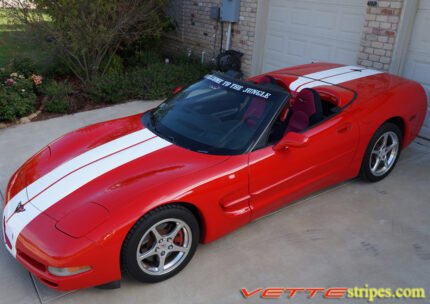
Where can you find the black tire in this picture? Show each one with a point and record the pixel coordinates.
(391, 131)
(142, 235)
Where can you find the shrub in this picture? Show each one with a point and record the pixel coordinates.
(111, 88)
(89, 33)
(156, 81)
(144, 51)
(24, 65)
(4, 74)
(141, 58)
(116, 66)
(17, 99)
(53, 66)
(48, 65)
(58, 98)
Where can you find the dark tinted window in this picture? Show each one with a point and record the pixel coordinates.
(216, 115)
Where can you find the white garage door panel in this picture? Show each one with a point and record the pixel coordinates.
(299, 32)
(417, 64)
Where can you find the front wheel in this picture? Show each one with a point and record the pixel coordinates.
(160, 244)
(382, 153)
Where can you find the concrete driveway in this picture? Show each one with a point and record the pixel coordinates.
(349, 235)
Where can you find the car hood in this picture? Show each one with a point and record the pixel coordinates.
(114, 159)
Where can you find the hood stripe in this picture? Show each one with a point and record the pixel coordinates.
(65, 176)
(76, 178)
(79, 161)
(331, 77)
(88, 157)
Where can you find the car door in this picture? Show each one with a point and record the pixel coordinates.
(279, 177)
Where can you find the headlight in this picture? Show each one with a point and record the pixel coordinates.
(68, 271)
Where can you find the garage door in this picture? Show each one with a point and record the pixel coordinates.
(417, 64)
(303, 31)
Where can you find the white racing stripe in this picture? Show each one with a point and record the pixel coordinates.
(76, 173)
(77, 162)
(341, 78)
(19, 197)
(331, 77)
(320, 75)
(88, 157)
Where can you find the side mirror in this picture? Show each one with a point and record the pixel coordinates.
(292, 139)
(177, 90)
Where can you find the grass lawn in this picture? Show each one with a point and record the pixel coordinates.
(15, 42)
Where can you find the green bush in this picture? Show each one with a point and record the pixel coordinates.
(49, 65)
(24, 65)
(53, 67)
(58, 98)
(156, 81)
(116, 65)
(89, 33)
(111, 88)
(143, 59)
(17, 99)
(4, 74)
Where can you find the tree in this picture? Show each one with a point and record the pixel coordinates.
(89, 33)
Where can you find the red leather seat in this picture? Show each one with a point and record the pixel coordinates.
(257, 105)
(306, 111)
(255, 111)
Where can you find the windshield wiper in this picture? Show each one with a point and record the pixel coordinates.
(172, 139)
(155, 128)
(153, 122)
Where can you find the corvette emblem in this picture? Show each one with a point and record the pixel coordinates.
(19, 208)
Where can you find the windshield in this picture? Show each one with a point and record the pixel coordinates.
(216, 115)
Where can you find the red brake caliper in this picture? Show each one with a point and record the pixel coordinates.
(179, 238)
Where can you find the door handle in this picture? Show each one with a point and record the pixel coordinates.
(344, 128)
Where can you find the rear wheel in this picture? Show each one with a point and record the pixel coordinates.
(382, 153)
(160, 244)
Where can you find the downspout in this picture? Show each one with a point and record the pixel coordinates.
(228, 37)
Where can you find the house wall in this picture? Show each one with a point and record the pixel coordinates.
(197, 33)
(379, 34)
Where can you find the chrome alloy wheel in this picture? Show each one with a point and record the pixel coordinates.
(384, 153)
(164, 246)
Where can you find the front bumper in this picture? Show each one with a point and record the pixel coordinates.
(41, 245)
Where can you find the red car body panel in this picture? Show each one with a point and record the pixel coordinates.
(88, 226)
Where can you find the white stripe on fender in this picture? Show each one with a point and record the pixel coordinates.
(331, 77)
(77, 176)
(77, 162)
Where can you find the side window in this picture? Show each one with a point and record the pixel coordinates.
(279, 127)
(276, 130)
(307, 109)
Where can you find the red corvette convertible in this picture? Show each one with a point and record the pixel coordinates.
(138, 194)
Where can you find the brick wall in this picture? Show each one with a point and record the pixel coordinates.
(198, 33)
(379, 34)
(195, 30)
